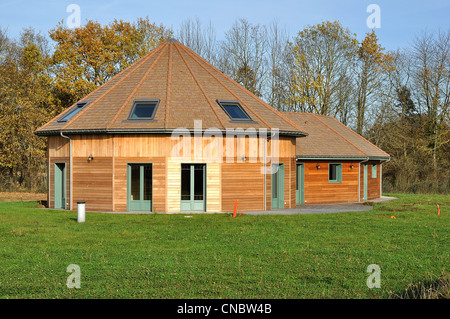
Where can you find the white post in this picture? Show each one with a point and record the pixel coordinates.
(81, 215)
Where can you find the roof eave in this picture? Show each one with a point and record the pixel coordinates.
(343, 158)
(148, 131)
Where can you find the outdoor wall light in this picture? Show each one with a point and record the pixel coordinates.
(317, 166)
(243, 158)
(351, 166)
(90, 158)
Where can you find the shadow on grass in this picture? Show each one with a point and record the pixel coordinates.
(430, 289)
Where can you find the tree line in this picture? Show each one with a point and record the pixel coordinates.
(398, 100)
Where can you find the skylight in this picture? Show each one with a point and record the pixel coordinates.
(77, 108)
(234, 110)
(143, 110)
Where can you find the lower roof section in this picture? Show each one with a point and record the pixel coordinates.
(342, 158)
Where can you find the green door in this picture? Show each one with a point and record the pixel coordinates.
(60, 185)
(277, 186)
(300, 190)
(139, 187)
(365, 182)
(193, 187)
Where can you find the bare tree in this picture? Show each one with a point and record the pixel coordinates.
(201, 40)
(431, 55)
(277, 73)
(323, 55)
(245, 47)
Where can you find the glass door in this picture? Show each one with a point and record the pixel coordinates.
(277, 186)
(193, 187)
(140, 188)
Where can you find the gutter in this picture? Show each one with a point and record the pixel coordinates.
(70, 169)
(155, 131)
(343, 158)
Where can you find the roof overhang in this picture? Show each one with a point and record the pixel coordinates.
(343, 158)
(163, 131)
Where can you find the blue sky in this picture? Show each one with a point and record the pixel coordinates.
(401, 20)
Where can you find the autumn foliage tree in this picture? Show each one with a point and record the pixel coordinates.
(90, 55)
(371, 61)
(37, 83)
(26, 102)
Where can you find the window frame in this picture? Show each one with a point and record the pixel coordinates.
(338, 173)
(374, 170)
(140, 102)
(224, 103)
(73, 111)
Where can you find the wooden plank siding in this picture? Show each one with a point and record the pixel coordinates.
(93, 183)
(318, 189)
(159, 181)
(102, 182)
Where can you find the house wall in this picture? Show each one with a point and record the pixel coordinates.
(102, 182)
(244, 181)
(318, 189)
(58, 152)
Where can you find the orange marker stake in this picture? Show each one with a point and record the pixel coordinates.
(235, 208)
(393, 217)
(439, 210)
(241, 214)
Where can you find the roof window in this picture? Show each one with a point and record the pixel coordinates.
(143, 110)
(234, 110)
(77, 108)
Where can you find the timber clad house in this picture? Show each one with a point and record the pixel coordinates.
(171, 133)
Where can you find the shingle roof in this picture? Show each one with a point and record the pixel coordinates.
(187, 88)
(329, 138)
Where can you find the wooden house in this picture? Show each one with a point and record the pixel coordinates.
(335, 164)
(171, 133)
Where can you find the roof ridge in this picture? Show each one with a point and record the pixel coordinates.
(360, 136)
(200, 87)
(315, 115)
(142, 61)
(226, 88)
(254, 96)
(134, 90)
(169, 82)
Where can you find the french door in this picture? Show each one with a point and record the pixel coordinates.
(139, 187)
(193, 187)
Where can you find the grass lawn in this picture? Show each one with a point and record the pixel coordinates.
(216, 256)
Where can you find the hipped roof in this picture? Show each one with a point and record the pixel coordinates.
(187, 88)
(328, 138)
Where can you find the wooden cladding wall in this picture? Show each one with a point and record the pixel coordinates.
(93, 183)
(58, 147)
(243, 182)
(318, 189)
(159, 181)
(102, 181)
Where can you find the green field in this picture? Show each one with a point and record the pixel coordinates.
(216, 256)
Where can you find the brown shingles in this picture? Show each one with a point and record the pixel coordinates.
(187, 87)
(330, 138)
